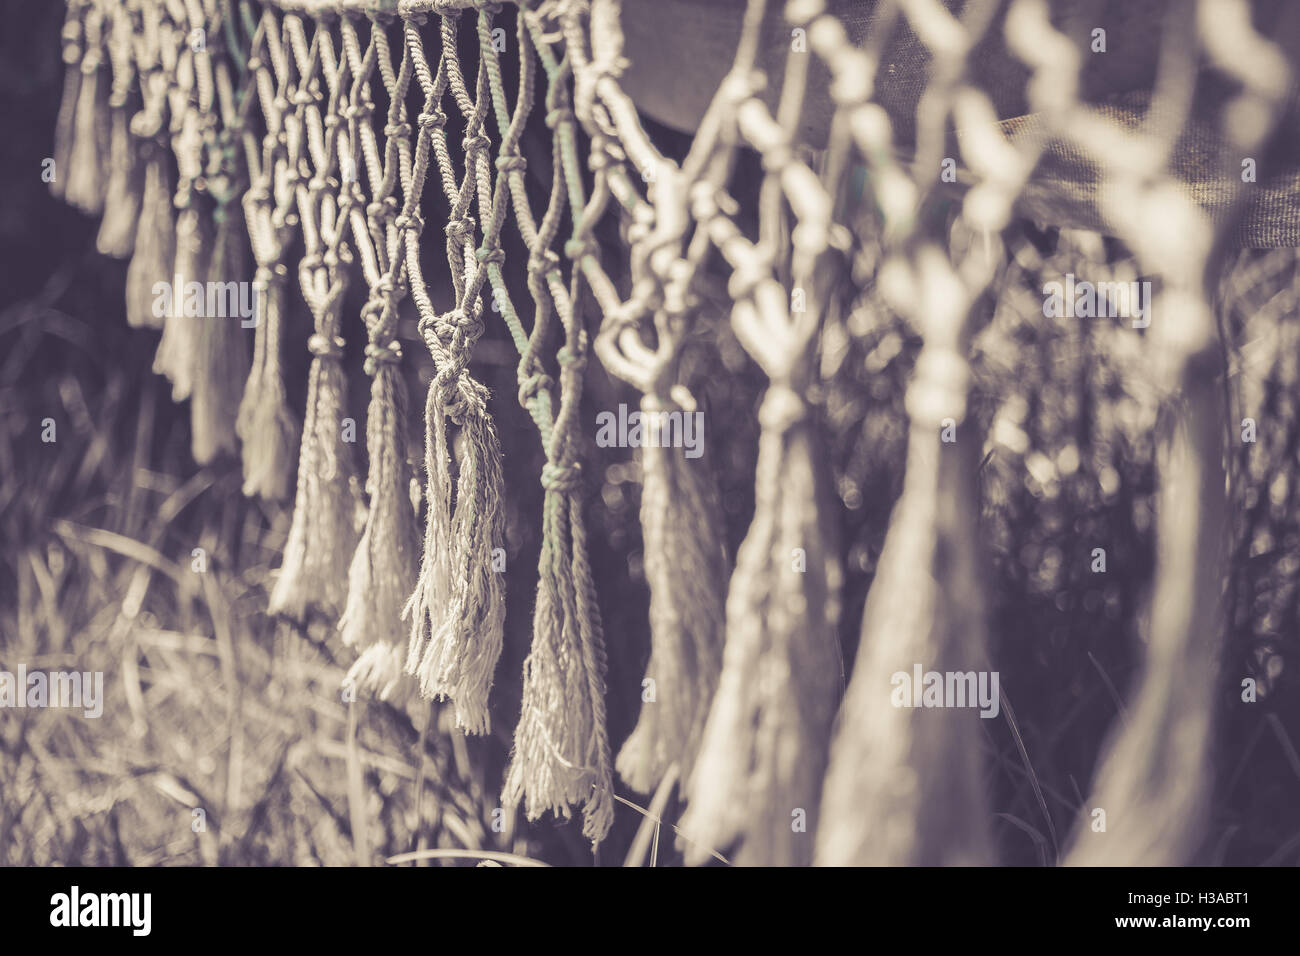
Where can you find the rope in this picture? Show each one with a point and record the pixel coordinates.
(272, 104)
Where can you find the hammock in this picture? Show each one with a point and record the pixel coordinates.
(227, 139)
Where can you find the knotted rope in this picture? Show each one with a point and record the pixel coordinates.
(681, 520)
(458, 607)
(325, 530)
(265, 425)
(383, 570)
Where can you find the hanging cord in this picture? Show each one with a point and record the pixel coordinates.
(222, 362)
(191, 100)
(561, 755)
(87, 154)
(266, 427)
(154, 252)
(325, 529)
(685, 561)
(457, 610)
(383, 570)
(757, 779)
(126, 171)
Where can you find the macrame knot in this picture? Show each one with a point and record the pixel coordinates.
(531, 385)
(350, 196)
(476, 143)
(331, 120)
(543, 262)
(580, 246)
(560, 114)
(383, 209)
(573, 359)
(323, 346)
(411, 222)
(782, 408)
(446, 325)
(511, 162)
(458, 230)
(564, 477)
(434, 119)
(376, 355)
(397, 131)
(486, 254)
(459, 396)
(358, 111)
(378, 310)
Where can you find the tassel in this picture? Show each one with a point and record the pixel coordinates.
(88, 154)
(561, 755)
(154, 252)
(904, 785)
(221, 365)
(265, 426)
(457, 609)
(1155, 773)
(324, 533)
(65, 127)
(125, 185)
(760, 766)
(382, 575)
(378, 669)
(175, 357)
(126, 172)
(686, 568)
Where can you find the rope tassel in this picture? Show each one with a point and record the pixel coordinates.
(266, 427)
(758, 775)
(178, 346)
(222, 361)
(382, 573)
(65, 126)
(457, 609)
(313, 576)
(154, 252)
(561, 756)
(917, 769)
(125, 188)
(686, 567)
(88, 152)
(126, 171)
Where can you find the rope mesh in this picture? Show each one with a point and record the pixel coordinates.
(318, 126)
